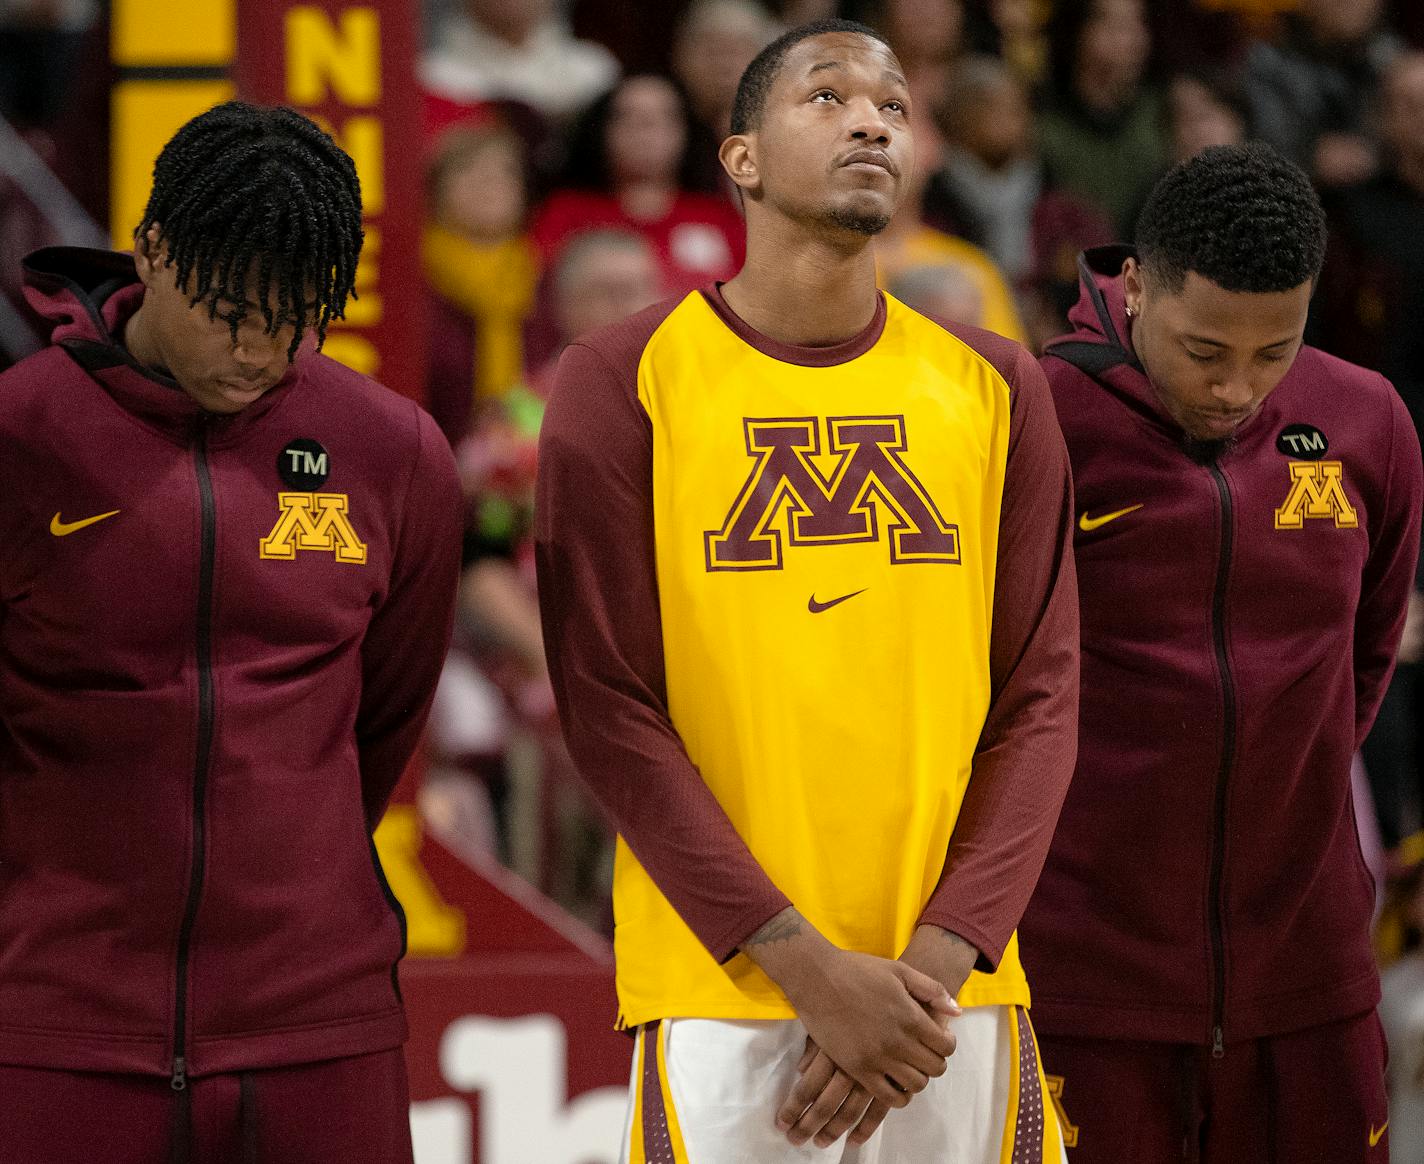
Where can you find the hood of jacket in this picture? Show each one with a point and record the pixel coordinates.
(88, 296)
(1100, 343)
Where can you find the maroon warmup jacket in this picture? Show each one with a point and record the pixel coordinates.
(219, 637)
(1239, 621)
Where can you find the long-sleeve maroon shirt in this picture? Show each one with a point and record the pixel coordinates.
(1240, 620)
(202, 716)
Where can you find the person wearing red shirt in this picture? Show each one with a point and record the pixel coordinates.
(633, 163)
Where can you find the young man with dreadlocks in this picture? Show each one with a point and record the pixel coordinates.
(811, 621)
(1248, 522)
(225, 593)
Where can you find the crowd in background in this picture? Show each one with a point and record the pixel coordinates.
(571, 179)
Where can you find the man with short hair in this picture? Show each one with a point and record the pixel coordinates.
(225, 595)
(810, 620)
(1248, 523)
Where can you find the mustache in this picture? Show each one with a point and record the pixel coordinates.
(873, 156)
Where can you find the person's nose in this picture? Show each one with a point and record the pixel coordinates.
(868, 123)
(255, 347)
(1234, 391)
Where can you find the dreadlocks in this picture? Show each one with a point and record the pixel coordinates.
(243, 193)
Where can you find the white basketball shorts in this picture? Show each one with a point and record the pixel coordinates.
(706, 1091)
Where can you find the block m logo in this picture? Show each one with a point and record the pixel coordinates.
(869, 479)
(1317, 490)
(313, 521)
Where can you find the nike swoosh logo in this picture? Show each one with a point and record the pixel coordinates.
(818, 607)
(62, 529)
(1088, 524)
(1375, 1135)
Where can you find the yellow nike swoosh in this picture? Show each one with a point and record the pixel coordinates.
(1375, 1135)
(1087, 524)
(64, 528)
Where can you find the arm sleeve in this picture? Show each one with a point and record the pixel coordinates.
(1389, 570)
(408, 635)
(1029, 744)
(598, 597)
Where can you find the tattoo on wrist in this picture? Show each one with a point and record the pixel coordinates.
(785, 925)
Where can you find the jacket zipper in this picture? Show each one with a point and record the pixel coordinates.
(204, 619)
(1228, 747)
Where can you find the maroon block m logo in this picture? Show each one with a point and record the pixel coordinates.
(869, 478)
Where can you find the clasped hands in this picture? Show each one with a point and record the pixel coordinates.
(878, 1029)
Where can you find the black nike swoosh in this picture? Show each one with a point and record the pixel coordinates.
(817, 607)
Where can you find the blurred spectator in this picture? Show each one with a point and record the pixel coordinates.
(40, 44)
(1368, 309)
(1401, 1014)
(1101, 129)
(1371, 296)
(632, 164)
(946, 290)
(992, 190)
(519, 50)
(481, 268)
(1203, 112)
(908, 243)
(1063, 229)
(495, 688)
(716, 41)
(1312, 91)
(927, 36)
(1023, 38)
(989, 181)
(602, 276)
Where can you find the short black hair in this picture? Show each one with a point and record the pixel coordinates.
(244, 188)
(1242, 216)
(760, 75)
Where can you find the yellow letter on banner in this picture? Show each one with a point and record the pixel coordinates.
(322, 58)
(363, 137)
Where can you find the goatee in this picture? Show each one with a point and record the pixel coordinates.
(866, 222)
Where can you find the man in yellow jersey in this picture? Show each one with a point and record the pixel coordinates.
(812, 624)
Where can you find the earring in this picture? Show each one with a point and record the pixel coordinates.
(1130, 310)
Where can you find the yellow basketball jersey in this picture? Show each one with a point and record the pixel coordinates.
(825, 547)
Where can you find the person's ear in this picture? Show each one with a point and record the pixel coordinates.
(738, 158)
(1132, 286)
(150, 254)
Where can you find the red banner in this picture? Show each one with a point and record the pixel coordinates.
(513, 1057)
(350, 66)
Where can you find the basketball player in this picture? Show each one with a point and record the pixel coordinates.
(226, 589)
(811, 620)
(1248, 525)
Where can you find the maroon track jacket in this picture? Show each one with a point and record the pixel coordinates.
(219, 637)
(1239, 623)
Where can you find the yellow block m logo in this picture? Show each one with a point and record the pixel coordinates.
(313, 521)
(1317, 490)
